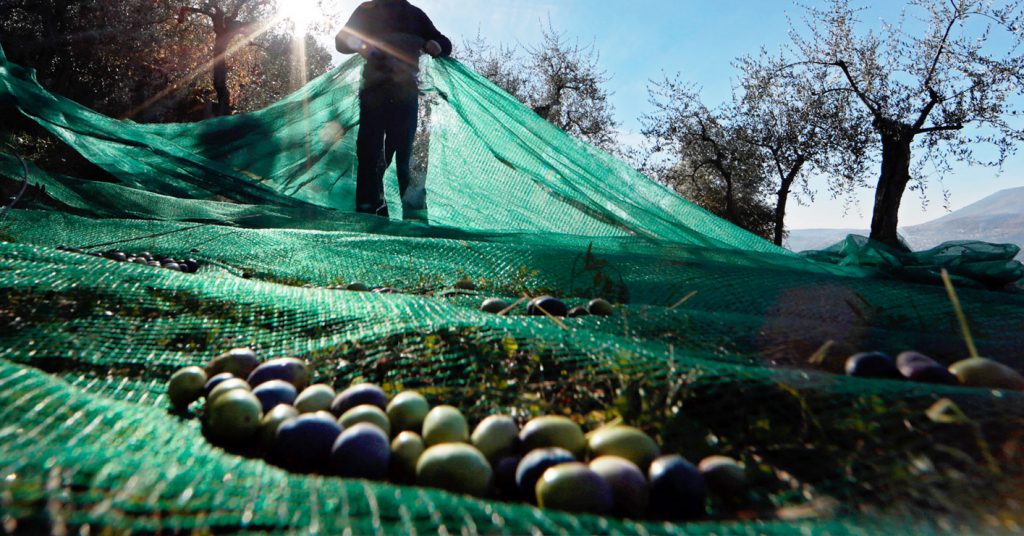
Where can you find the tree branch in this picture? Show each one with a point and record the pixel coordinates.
(864, 98)
(860, 94)
(933, 99)
(942, 46)
(938, 129)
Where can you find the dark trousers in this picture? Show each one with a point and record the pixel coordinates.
(387, 129)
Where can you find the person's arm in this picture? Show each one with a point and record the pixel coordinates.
(430, 33)
(350, 39)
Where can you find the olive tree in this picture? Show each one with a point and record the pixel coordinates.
(800, 132)
(557, 78)
(744, 158)
(703, 154)
(939, 85)
(229, 20)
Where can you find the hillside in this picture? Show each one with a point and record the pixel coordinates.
(998, 218)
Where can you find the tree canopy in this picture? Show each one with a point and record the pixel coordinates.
(560, 79)
(940, 85)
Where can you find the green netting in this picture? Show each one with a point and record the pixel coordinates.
(262, 199)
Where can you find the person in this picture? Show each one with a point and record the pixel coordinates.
(390, 35)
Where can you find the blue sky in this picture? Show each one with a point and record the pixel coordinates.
(642, 40)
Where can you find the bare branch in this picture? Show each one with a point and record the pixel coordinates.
(927, 84)
(938, 129)
(868, 102)
(933, 99)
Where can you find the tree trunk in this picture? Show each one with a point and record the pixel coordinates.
(220, 74)
(785, 186)
(730, 204)
(891, 185)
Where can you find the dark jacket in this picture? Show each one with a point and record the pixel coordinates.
(395, 33)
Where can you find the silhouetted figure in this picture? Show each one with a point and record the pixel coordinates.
(390, 35)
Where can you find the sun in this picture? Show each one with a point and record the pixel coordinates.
(301, 13)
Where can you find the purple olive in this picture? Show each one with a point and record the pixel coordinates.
(918, 367)
(358, 395)
(505, 477)
(362, 451)
(275, 392)
(303, 444)
(678, 490)
(214, 381)
(289, 369)
(872, 365)
(629, 485)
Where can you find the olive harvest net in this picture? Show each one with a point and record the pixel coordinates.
(721, 343)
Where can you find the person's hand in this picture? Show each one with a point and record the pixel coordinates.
(433, 48)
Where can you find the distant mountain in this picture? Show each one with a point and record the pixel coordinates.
(998, 218)
(805, 239)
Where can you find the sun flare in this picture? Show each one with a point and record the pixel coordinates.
(301, 13)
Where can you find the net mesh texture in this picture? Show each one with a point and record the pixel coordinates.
(721, 343)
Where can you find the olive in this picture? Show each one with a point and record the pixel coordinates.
(239, 362)
(494, 305)
(445, 424)
(578, 311)
(553, 431)
(533, 465)
(304, 444)
(574, 487)
(872, 365)
(546, 304)
(455, 467)
(678, 489)
(362, 451)
(407, 410)
(274, 393)
(357, 395)
(289, 369)
(186, 386)
(600, 307)
(465, 284)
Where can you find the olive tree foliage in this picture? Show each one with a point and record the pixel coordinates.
(744, 158)
(702, 153)
(559, 79)
(933, 87)
(83, 49)
(142, 59)
(237, 24)
(233, 22)
(800, 134)
(134, 59)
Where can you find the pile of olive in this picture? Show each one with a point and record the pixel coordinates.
(269, 408)
(188, 266)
